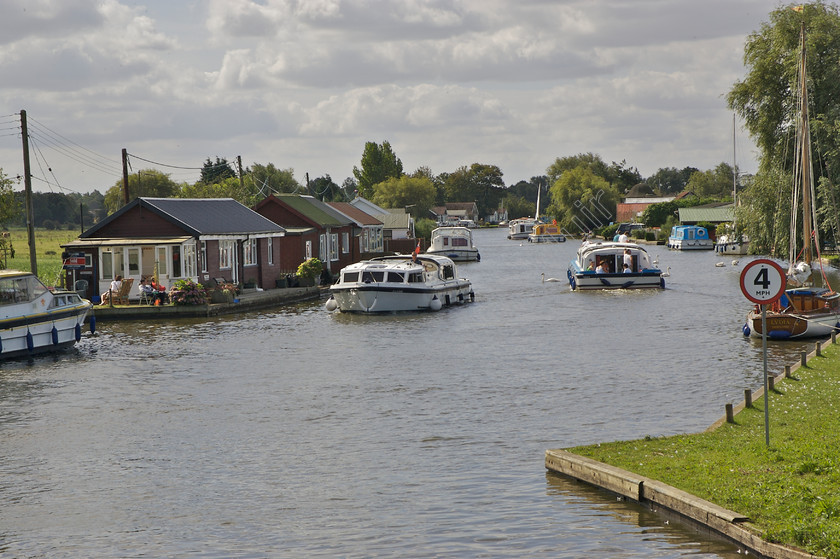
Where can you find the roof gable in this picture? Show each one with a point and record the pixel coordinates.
(311, 209)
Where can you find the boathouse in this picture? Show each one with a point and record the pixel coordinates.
(177, 238)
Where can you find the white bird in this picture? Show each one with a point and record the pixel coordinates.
(545, 279)
(734, 262)
(667, 273)
(720, 264)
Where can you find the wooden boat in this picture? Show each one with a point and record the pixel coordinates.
(34, 319)
(399, 283)
(600, 265)
(454, 242)
(805, 310)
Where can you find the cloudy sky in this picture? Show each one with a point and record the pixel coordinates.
(304, 84)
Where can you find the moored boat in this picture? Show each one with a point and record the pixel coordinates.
(601, 265)
(546, 233)
(399, 283)
(520, 228)
(690, 237)
(34, 319)
(454, 242)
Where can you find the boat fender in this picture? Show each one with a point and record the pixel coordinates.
(92, 324)
(1, 345)
(78, 332)
(448, 301)
(30, 343)
(477, 257)
(472, 300)
(662, 283)
(460, 297)
(331, 304)
(746, 329)
(54, 335)
(435, 304)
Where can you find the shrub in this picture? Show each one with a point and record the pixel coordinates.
(310, 268)
(187, 292)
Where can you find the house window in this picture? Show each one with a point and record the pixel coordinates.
(322, 248)
(249, 249)
(308, 250)
(160, 261)
(203, 256)
(345, 243)
(133, 261)
(333, 246)
(270, 244)
(188, 250)
(112, 262)
(225, 255)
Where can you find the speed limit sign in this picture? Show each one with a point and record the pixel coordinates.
(762, 281)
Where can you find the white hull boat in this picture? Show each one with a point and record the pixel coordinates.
(520, 228)
(600, 265)
(455, 243)
(399, 283)
(734, 247)
(34, 319)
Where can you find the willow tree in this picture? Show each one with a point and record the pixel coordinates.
(582, 201)
(766, 100)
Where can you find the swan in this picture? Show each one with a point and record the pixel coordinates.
(734, 262)
(720, 264)
(545, 279)
(667, 273)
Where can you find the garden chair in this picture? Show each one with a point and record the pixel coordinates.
(121, 298)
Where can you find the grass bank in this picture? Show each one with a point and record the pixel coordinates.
(790, 490)
(47, 249)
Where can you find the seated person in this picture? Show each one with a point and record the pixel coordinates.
(158, 292)
(145, 288)
(627, 269)
(114, 288)
(602, 269)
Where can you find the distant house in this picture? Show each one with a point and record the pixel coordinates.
(369, 229)
(313, 229)
(636, 202)
(178, 238)
(453, 213)
(397, 225)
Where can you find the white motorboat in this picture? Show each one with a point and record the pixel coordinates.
(732, 245)
(454, 242)
(520, 228)
(690, 237)
(600, 265)
(34, 319)
(399, 283)
(546, 233)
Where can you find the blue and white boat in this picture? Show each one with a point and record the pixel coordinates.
(35, 319)
(690, 237)
(600, 265)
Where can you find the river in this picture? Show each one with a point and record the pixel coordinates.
(300, 433)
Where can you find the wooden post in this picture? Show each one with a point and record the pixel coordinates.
(748, 398)
(787, 371)
(125, 175)
(27, 184)
(771, 380)
(730, 417)
(833, 336)
(803, 358)
(818, 347)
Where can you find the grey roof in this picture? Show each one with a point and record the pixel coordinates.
(718, 214)
(200, 216)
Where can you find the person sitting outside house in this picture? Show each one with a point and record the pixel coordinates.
(115, 286)
(145, 289)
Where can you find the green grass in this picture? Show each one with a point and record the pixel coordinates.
(47, 250)
(790, 490)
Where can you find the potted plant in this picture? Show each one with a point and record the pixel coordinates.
(308, 271)
(187, 292)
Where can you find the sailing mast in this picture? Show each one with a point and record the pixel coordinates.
(804, 153)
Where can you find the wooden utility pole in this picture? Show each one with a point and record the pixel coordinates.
(27, 182)
(125, 175)
(241, 177)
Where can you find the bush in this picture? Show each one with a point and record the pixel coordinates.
(310, 268)
(187, 292)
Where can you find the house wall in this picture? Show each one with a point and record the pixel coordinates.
(139, 222)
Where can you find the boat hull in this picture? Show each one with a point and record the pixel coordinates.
(384, 298)
(793, 326)
(699, 244)
(588, 281)
(41, 333)
(458, 255)
(734, 249)
(546, 238)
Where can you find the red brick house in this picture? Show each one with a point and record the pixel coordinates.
(178, 238)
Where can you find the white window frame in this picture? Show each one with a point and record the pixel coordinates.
(270, 246)
(308, 250)
(249, 252)
(188, 262)
(322, 247)
(226, 248)
(345, 242)
(333, 247)
(203, 256)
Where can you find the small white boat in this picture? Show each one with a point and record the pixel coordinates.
(520, 228)
(454, 242)
(690, 237)
(546, 233)
(600, 265)
(34, 319)
(399, 283)
(727, 244)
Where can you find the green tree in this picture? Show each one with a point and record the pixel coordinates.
(379, 163)
(243, 192)
(766, 99)
(213, 172)
(715, 183)
(477, 183)
(267, 179)
(146, 183)
(418, 194)
(326, 190)
(670, 180)
(589, 161)
(518, 206)
(581, 200)
(9, 208)
(656, 215)
(622, 176)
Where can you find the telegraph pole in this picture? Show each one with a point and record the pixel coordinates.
(125, 176)
(27, 182)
